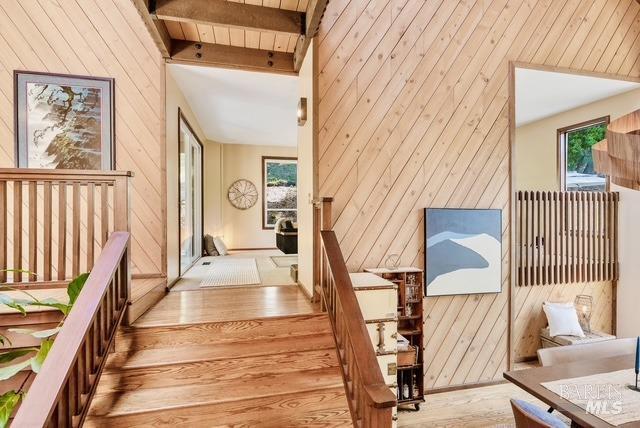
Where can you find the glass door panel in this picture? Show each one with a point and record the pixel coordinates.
(190, 197)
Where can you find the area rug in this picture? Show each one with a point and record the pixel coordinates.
(230, 272)
(284, 261)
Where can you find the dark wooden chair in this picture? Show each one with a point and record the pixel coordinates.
(528, 415)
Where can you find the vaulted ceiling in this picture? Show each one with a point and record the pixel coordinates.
(261, 35)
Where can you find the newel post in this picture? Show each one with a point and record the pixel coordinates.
(122, 220)
(327, 221)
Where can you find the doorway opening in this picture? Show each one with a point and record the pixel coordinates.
(246, 178)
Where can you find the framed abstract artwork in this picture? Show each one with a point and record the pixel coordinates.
(463, 251)
(64, 121)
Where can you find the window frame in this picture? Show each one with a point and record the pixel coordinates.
(562, 146)
(265, 159)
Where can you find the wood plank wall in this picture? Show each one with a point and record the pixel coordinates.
(413, 113)
(103, 38)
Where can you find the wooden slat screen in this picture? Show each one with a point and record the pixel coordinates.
(48, 220)
(566, 237)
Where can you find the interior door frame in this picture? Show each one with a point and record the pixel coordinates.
(182, 118)
(513, 65)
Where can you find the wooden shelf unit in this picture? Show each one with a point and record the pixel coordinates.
(410, 308)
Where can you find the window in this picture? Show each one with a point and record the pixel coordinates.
(190, 195)
(575, 157)
(279, 190)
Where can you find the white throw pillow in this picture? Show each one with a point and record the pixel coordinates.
(563, 304)
(222, 249)
(563, 319)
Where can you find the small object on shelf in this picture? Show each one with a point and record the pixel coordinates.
(392, 261)
(403, 343)
(411, 279)
(408, 357)
(584, 304)
(637, 368)
(410, 313)
(414, 384)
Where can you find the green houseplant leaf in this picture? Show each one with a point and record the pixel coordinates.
(17, 304)
(17, 353)
(8, 401)
(40, 334)
(4, 339)
(75, 287)
(9, 371)
(38, 360)
(53, 303)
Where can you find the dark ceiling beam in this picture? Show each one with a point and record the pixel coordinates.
(210, 54)
(231, 14)
(315, 10)
(156, 28)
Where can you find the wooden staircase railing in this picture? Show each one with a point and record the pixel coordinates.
(61, 393)
(566, 237)
(53, 223)
(370, 399)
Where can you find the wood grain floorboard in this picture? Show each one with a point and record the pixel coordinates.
(229, 304)
(275, 411)
(233, 365)
(137, 338)
(163, 356)
(144, 400)
(477, 407)
(212, 372)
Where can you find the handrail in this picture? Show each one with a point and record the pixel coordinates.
(61, 393)
(66, 208)
(370, 399)
(66, 174)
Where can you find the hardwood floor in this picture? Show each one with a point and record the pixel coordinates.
(228, 304)
(255, 356)
(270, 274)
(475, 407)
(243, 356)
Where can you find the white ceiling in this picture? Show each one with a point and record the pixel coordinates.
(540, 94)
(241, 107)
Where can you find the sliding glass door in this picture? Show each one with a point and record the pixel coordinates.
(190, 196)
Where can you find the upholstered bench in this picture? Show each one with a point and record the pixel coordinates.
(594, 336)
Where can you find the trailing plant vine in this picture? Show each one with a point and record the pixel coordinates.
(10, 399)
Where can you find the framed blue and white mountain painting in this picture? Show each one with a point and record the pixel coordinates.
(463, 251)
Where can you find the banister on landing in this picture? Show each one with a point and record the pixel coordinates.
(61, 392)
(370, 399)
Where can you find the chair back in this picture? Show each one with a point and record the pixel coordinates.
(527, 415)
(591, 351)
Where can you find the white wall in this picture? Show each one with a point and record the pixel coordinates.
(628, 315)
(306, 175)
(536, 156)
(242, 229)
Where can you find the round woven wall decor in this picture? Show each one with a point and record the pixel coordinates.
(243, 194)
